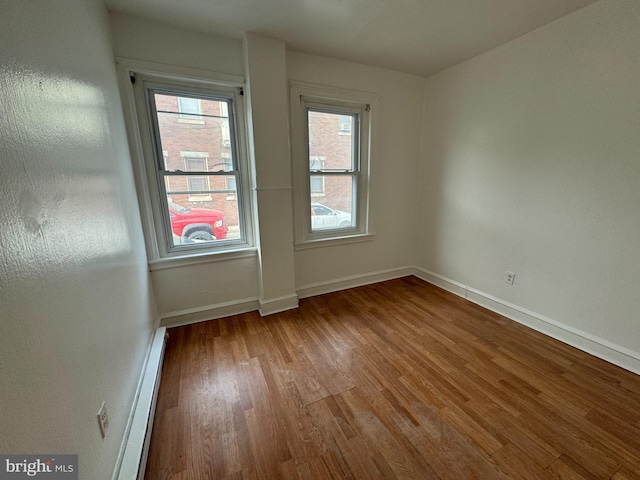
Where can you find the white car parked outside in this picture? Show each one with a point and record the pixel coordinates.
(323, 217)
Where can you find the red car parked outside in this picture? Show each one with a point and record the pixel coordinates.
(197, 224)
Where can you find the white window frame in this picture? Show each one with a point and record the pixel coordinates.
(365, 105)
(146, 147)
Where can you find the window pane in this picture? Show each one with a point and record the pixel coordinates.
(207, 137)
(326, 140)
(345, 123)
(317, 184)
(202, 208)
(337, 205)
(188, 105)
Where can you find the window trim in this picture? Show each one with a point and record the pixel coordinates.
(145, 147)
(335, 100)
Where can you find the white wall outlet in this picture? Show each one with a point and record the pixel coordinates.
(103, 419)
(509, 278)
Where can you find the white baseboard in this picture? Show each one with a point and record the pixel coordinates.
(277, 305)
(354, 281)
(208, 312)
(134, 449)
(596, 346)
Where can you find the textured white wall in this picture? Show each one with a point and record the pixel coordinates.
(394, 166)
(75, 316)
(150, 41)
(531, 164)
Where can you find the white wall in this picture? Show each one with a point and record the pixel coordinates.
(394, 165)
(150, 41)
(531, 164)
(268, 132)
(76, 316)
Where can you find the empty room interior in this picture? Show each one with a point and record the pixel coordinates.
(320, 239)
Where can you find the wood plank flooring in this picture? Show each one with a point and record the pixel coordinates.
(397, 380)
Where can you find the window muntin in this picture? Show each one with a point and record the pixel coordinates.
(197, 171)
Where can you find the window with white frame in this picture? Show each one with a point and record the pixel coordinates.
(190, 170)
(331, 163)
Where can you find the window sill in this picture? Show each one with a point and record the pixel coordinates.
(191, 120)
(199, 198)
(333, 241)
(200, 258)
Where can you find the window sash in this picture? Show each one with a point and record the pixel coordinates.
(162, 173)
(353, 172)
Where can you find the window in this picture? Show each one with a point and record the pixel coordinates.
(331, 137)
(189, 108)
(316, 183)
(344, 124)
(195, 171)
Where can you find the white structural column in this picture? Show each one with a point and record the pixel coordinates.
(266, 100)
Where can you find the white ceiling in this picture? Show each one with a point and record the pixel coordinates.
(414, 36)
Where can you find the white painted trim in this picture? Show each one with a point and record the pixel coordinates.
(208, 312)
(366, 104)
(198, 258)
(277, 305)
(331, 242)
(132, 458)
(353, 281)
(180, 72)
(599, 347)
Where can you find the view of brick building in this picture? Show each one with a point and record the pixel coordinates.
(195, 137)
(331, 141)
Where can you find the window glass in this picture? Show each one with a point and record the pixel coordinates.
(199, 170)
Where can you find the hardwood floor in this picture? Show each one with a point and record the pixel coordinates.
(394, 380)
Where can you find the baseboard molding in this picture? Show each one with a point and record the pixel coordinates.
(596, 346)
(353, 281)
(134, 449)
(208, 312)
(280, 304)
(277, 305)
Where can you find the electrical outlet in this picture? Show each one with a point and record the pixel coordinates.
(509, 278)
(103, 419)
